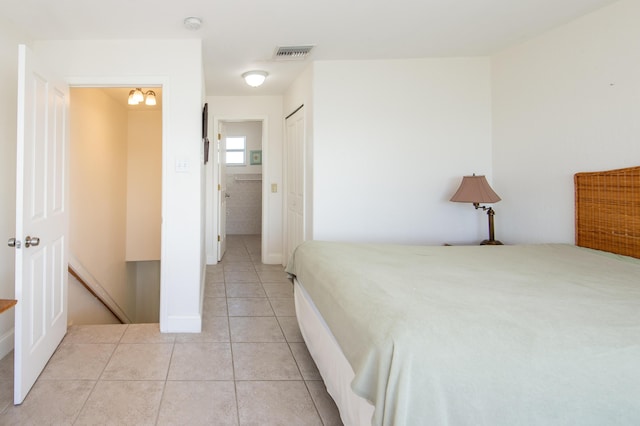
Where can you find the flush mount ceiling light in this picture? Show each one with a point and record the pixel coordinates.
(255, 78)
(136, 96)
(192, 23)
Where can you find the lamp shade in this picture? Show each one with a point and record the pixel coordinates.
(475, 189)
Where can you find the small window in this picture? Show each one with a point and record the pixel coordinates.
(236, 154)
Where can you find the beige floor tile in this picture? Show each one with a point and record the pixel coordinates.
(215, 329)
(275, 290)
(6, 394)
(146, 361)
(276, 403)
(50, 402)
(214, 290)
(324, 403)
(255, 329)
(274, 277)
(214, 307)
(290, 329)
(305, 363)
(245, 290)
(122, 403)
(264, 361)
(241, 277)
(98, 333)
(201, 361)
(249, 307)
(239, 266)
(216, 276)
(78, 361)
(283, 306)
(199, 403)
(146, 333)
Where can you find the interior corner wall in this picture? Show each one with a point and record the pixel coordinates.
(10, 37)
(391, 142)
(98, 191)
(564, 102)
(267, 108)
(177, 66)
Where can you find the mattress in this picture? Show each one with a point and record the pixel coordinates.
(546, 334)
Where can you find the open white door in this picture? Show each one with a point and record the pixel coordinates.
(41, 220)
(295, 140)
(222, 192)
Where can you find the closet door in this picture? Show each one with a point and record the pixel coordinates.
(295, 212)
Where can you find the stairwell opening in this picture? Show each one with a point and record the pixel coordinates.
(115, 187)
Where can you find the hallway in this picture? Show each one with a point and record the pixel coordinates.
(249, 366)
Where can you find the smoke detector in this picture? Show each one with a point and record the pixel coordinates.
(192, 23)
(292, 53)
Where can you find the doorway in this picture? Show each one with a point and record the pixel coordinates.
(115, 196)
(242, 159)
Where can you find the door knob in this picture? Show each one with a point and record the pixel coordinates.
(28, 242)
(13, 243)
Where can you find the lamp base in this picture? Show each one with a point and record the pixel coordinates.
(491, 243)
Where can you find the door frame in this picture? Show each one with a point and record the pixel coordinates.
(107, 81)
(212, 184)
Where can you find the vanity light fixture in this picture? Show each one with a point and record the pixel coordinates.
(136, 96)
(255, 78)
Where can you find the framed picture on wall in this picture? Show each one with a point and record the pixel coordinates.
(255, 158)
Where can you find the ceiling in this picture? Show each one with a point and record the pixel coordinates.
(240, 35)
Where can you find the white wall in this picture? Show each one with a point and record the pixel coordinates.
(177, 66)
(564, 102)
(392, 140)
(10, 37)
(269, 110)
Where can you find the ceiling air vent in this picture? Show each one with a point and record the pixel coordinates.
(292, 53)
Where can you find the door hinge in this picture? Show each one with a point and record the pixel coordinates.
(218, 238)
(219, 136)
(219, 187)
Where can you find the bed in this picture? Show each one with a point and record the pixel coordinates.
(485, 335)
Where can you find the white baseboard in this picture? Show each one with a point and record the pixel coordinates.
(212, 260)
(6, 343)
(183, 324)
(273, 259)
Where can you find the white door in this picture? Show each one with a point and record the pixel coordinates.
(222, 192)
(41, 214)
(295, 180)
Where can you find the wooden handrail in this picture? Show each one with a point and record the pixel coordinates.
(90, 290)
(7, 304)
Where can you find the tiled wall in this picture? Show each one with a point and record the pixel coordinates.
(244, 205)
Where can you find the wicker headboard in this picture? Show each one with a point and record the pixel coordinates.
(608, 210)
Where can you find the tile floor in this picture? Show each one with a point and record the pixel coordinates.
(249, 366)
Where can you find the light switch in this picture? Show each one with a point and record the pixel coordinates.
(274, 187)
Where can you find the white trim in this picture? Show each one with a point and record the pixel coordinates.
(147, 81)
(182, 324)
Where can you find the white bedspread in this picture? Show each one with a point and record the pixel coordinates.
(501, 335)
